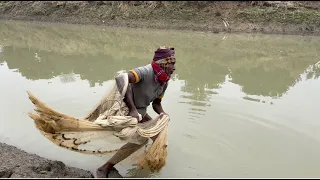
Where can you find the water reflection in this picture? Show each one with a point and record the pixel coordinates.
(213, 73)
(313, 71)
(262, 66)
(95, 69)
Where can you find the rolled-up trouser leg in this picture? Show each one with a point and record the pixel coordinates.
(125, 151)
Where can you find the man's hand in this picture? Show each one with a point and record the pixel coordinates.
(135, 114)
(157, 107)
(163, 113)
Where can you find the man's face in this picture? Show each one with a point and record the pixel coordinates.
(170, 68)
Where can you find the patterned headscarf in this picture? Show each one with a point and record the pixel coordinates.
(162, 56)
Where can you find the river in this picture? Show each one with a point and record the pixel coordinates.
(241, 105)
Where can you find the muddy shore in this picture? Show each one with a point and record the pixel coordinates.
(16, 163)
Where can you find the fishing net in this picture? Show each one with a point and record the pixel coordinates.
(105, 129)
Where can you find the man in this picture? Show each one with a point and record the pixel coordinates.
(146, 84)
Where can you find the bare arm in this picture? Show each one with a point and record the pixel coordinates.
(128, 98)
(157, 107)
(156, 104)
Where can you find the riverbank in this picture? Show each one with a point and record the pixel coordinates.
(16, 163)
(270, 17)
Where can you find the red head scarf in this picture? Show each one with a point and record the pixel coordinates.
(161, 57)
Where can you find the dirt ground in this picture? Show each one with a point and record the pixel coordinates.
(276, 17)
(16, 163)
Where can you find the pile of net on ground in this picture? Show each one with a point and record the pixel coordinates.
(105, 129)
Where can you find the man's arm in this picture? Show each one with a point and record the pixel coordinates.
(128, 98)
(157, 107)
(156, 104)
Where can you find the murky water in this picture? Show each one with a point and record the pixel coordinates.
(240, 105)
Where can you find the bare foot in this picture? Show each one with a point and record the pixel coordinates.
(101, 173)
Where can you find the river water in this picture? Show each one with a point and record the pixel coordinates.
(240, 105)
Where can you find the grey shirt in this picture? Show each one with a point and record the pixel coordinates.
(146, 89)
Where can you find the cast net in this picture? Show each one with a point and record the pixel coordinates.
(105, 129)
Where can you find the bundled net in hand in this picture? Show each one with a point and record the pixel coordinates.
(107, 126)
(155, 157)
